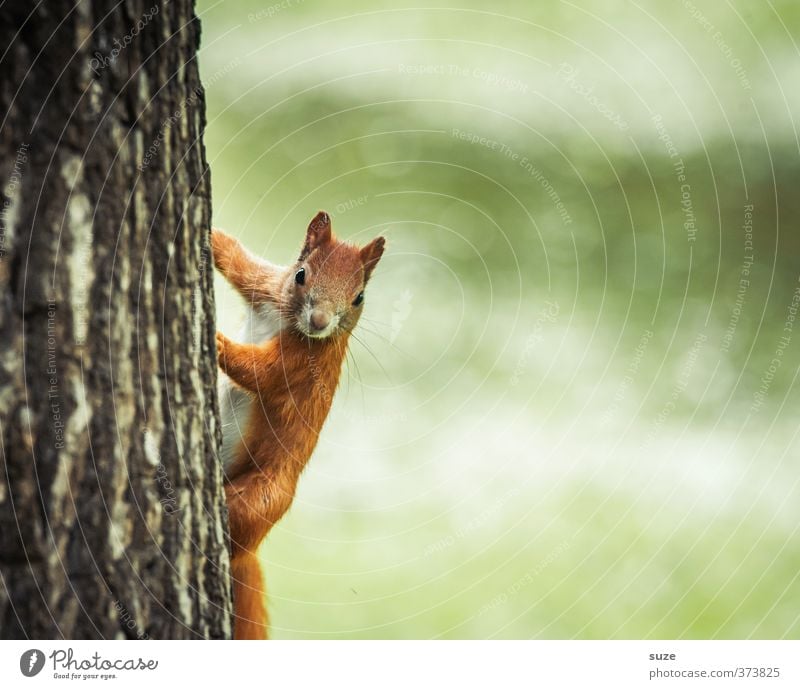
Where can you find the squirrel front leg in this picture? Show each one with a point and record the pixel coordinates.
(258, 281)
(247, 365)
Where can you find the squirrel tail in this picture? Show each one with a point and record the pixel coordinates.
(248, 598)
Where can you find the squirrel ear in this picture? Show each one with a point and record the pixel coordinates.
(318, 233)
(371, 254)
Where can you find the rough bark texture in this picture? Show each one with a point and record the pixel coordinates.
(112, 513)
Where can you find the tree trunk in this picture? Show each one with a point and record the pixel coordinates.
(112, 512)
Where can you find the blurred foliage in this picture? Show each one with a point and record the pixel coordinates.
(547, 432)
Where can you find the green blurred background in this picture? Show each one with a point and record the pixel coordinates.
(572, 412)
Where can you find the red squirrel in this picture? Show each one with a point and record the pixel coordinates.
(279, 383)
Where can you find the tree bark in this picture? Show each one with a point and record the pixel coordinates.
(112, 511)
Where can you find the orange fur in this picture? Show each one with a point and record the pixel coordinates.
(292, 377)
(248, 594)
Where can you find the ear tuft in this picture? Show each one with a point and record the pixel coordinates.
(371, 254)
(318, 233)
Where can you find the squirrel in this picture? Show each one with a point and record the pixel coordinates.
(279, 383)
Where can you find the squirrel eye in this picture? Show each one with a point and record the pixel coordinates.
(300, 276)
(359, 299)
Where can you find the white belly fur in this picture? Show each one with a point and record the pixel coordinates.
(261, 324)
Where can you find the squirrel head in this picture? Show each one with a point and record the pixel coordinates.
(324, 290)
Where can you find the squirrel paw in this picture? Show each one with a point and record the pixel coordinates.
(222, 246)
(221, 342)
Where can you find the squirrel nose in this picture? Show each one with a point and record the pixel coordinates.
(319, 320)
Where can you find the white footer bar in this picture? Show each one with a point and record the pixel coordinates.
(402, 664)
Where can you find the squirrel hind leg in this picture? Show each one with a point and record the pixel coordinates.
(251, 621)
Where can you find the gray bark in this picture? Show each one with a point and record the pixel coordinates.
(112, 510)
